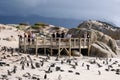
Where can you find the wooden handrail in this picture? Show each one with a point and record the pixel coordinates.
(67, 43)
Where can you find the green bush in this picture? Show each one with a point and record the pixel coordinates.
(26, 24)
(35, 27)
(18, 27)
(40, 24)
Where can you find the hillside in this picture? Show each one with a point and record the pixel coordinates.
(104, 27)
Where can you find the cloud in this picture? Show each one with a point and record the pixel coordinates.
(76, 9)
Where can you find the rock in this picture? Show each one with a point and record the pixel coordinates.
(98, 50)
(26, 75)
(76, 53)
(103, 27)
(102, 45)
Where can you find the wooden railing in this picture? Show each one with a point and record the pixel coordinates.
(74, 42)
(55, 43)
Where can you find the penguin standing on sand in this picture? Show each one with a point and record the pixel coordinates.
(99, 72)
(45, 76)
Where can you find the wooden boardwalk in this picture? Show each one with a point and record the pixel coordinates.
(67, 44)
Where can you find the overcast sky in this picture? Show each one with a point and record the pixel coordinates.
(76, 9)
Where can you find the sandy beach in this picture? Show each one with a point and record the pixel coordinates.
(19, 66)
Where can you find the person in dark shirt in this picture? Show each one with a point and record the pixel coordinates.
(53, 35)
(29, 36)
(58, 34)
(62, 34)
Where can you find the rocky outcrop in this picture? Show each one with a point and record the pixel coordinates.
(100, 49)
(102, 44)
(104, 27)
(47, 30)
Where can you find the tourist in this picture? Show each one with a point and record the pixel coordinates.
(20, 38)
(62, 34)
(68, 35)
(33, 38)
(58, 34)
(29, 37)
(25, 35)
(88, 36)
(85, 35)
(53, 35)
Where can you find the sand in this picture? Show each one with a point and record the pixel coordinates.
(94, 73)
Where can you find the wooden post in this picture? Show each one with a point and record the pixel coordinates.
(20, 42)
(25, 45)
(74, 39)
(44, 46)
(36, 47)
(59, 39)
(89, 45)
(51, 41)
(80, 45)
(69, 46)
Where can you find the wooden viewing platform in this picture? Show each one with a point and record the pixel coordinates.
(67, 44)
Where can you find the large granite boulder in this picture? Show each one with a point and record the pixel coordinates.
(99, 49)
(102, 45)
(104, 27)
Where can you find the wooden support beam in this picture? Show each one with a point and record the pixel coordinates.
(25, 45)
(74, 39)
(80, 45)
(44, 46)
(20, 42)
(69, 46)
(61, 50)
(89, 46)
(59, 40)
(67, 51)
(36, 47)
(51, 49)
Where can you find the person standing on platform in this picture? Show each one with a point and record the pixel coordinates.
(85, 38)
(53, 35)
(62, 34)
(58, 34)
(33, 37)
(29, 37)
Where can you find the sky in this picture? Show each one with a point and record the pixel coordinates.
(73, 9)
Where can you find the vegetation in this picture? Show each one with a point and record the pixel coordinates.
(56, 28)
(35, 27)
(40, 24)
(25, 24)
(18, 27)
